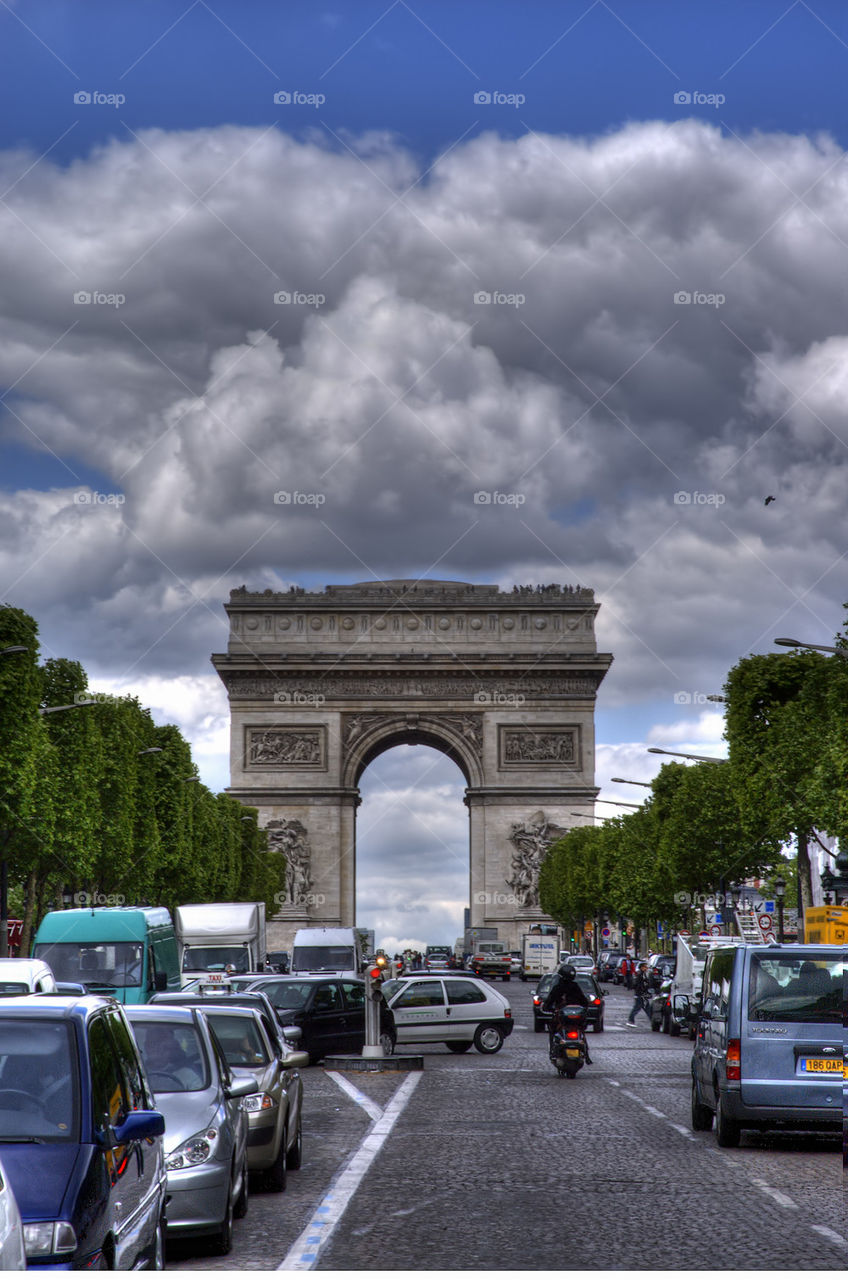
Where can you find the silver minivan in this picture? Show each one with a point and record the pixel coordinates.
(768, 1046)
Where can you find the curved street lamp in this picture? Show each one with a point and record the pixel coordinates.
(841, 650)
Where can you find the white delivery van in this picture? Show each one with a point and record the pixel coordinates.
(335, 951)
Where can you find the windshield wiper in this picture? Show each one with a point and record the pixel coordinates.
(40, 1141)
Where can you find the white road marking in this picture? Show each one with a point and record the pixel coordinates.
(307, 1248)
(360, 1099)
(829, 1234)
(782, 1199)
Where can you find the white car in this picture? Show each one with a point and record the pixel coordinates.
(12, 1254)
(583, 964)
(25, 977)
(459, 1012)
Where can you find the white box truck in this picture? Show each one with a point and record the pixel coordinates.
(539, 954)
(217, 938)
(336, 951)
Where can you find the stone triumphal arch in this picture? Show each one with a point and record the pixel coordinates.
(503, 682)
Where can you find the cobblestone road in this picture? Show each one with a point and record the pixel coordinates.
(496, 1163)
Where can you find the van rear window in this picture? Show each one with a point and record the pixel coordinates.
(795, 989)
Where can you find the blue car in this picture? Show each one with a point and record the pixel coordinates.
(79, 1140)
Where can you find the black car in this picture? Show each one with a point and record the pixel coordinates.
(608, 963)
(279, 961)
(329, 1011)
(588, 984)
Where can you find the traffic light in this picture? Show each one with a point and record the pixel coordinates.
(379, 970)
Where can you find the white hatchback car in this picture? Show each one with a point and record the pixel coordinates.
(12, 1254)
(459, 1012)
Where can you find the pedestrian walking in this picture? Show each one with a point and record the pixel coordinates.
(640, 991)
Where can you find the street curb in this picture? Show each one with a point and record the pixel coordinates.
(353, 1062)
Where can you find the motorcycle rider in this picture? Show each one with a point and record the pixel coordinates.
(565, 990)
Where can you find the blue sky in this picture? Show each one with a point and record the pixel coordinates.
(583, 183)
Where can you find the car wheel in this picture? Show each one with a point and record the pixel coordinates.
(673, 1028)
(666, 1024)
(294, 1159)
(240, 1206)
(275, 1177)
(222, 1240)
(507, 977)
(727, 1131)
(538, 1024)
(655, 1026)
(387, 1043)
(599, 1026)
(702, 1117)
(488, 1039)
(458, 1046)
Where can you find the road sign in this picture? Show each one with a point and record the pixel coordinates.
(715, 930)
(605, 933)
(769, 907)
(764, 921)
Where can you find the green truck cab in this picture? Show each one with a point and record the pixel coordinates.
(125, 952)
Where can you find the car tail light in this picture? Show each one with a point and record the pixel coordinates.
(733, 1060)
(595, 1000)
(507, 1013)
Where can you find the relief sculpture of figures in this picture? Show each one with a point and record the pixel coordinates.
(276, 746)
(290, 837)
(531, 840)
(554, 748)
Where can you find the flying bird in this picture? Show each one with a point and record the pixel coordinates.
(769, 499)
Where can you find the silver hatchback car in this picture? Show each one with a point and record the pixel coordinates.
(205, 1123)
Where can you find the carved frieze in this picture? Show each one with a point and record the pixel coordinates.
(296, 747)
(531, 841)
(539, 747)
(244, 686)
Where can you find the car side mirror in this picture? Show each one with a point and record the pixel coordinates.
(240, 1088)
(294, 1059)
(293, 1034)
(160, 981)
(137, 1126)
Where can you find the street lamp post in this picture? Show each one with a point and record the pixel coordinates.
(840, 650)
(779, 890)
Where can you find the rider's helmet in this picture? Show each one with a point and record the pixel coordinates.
(567, 971)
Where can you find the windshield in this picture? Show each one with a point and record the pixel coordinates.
(323, 959)
(794, 989)
(97, 964)
(173, 1055)
(216, 959)
(39, 1084)
(240, 1038)
(286, 995)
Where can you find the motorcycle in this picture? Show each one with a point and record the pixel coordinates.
(568, 1046)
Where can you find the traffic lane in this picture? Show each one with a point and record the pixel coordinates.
(333, 1127)
(496, 1168)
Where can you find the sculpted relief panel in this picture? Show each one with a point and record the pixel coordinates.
(290, 837)
(531, 840)
(291, 748)
(539, 746)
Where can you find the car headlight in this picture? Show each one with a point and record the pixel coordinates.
(258, 1102)
(193, 1151)
(43, 1238)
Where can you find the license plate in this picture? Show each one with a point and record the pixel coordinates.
(572, 1053)
(822, 1066)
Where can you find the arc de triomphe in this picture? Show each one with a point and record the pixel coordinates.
(503, 682)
